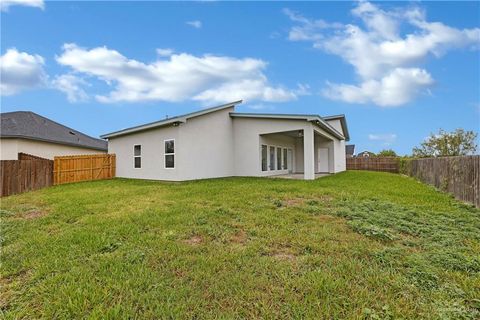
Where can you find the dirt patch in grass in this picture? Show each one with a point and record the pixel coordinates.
(284, 256)
(194, 240)
(302, 201)
(284, 252)
(7, 283)
(294, 202)
(239, 238)
(34, 214)
(179, 273)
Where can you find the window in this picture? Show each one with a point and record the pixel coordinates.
(137, 156)
(272, 158)
(264, 157)
(285, 161)
(170, 154)
(279, 158)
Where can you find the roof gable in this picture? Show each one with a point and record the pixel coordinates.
(320, 121)
(29, 125)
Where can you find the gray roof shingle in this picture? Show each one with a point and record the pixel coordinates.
(350, 149)
(29, 125)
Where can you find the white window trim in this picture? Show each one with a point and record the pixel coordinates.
(281, 158)
(282, 147)
(134, 156)
(274, 158)
(165, 154)
(261, 155)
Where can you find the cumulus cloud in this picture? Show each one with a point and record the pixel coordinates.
(72, 86)
(21, 71)
(197, 24)
(179, 77)
(396, 88)
(386, 138)
(6, 4)
(383, 58)
(165, 52)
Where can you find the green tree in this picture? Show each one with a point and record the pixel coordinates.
(387, 153)
(443, 144)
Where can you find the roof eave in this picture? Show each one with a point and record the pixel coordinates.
(148, 126)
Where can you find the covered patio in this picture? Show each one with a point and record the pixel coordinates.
(297, 154)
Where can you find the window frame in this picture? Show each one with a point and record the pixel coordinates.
(278, 158)
(285, 158)
(272, 164)
(135, 156)
(266, 157)
(165, 154)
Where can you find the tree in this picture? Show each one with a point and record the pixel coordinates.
(443, 144)
(387, 153)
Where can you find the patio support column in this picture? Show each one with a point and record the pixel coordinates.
(308, 154)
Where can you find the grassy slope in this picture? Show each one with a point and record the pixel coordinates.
(353, 245)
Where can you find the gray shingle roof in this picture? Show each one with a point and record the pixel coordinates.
(350, 149)
(29, 125)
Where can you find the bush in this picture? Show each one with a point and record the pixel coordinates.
(404, 165)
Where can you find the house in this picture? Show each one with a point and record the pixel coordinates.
(219, 142)
(365, 154)
(28, 132)
(349, 150)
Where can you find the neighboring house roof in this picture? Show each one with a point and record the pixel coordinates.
(349, 149)
(29, 125)
(320, 121)
(174, 120)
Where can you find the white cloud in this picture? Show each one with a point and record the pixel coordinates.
(195, 23)
(260, 106)
(165, 52)
(181, 77)
(72, 86)
(6, 4)
(380, 54)
(21, 71)
(395, 89)
(386, 138)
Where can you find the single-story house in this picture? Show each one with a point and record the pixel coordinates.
(28, 132)
(350, 150)
(219, 142)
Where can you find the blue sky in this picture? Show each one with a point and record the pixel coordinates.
(397, 70)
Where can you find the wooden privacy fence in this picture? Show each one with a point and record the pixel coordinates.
(83, 167)
(386, 164)
(27, 174)
(457, 175)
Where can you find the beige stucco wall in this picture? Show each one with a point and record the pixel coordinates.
(203, 149)
(339, 157)
(152, 154)
(10, 148)
(337, 125)
(206, 146)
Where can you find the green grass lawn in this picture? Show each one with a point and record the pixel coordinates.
(354, 245)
